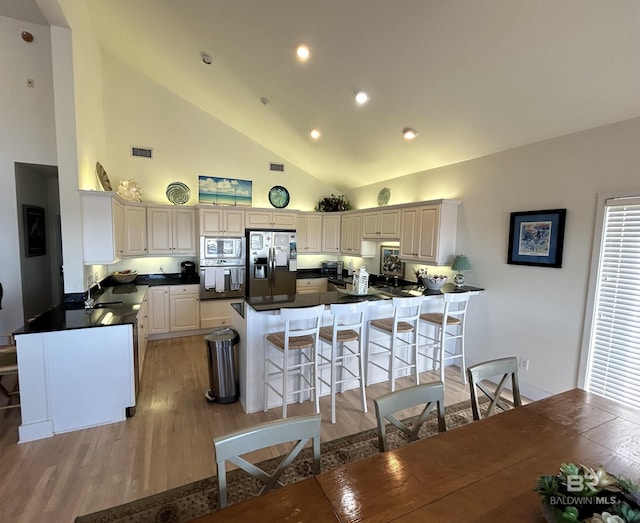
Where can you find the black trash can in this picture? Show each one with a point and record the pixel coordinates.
(222, 353)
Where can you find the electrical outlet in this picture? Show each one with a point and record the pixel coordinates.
(523, 364)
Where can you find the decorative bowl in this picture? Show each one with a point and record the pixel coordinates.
(434, 283)
(124, 277)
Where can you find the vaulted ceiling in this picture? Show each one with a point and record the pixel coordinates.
(472, 77)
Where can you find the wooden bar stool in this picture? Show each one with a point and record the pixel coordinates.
(448, 326)
(344, 338)
(402, 345)
(295, 355)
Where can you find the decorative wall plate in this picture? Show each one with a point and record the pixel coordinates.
(178, 193)
(383, 196)
(105, 183)
(279, 196)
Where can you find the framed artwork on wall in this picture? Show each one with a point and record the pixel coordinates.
(536, 238)
(224, 191)
(35, 242)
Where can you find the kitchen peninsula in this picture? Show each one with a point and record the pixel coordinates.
(78, 367)
(261, 315)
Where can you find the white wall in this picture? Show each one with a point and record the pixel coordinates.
(186, 143)
(532, 312)
(27, 134)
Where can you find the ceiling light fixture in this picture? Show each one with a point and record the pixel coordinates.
(409, 133)
(206, 58)
(303, 53)
(361, 97)
(315, 134)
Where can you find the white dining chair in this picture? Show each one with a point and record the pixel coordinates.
(231, 447)
(501, 371)
(429, 394)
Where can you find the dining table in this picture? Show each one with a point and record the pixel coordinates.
(486, 470)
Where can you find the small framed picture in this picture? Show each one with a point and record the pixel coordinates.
(536, 238)
(35, 242)
(390, 264)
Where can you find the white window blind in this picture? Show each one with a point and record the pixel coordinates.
(614, 349)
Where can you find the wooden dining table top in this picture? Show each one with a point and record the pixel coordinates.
(483, 471)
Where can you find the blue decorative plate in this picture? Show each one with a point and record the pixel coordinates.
(178, 193)
(279, 196)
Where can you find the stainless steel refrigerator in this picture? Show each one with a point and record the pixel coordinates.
(271, 263)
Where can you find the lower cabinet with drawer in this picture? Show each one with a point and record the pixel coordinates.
(184, 306)
(310, 285)
(173, 308)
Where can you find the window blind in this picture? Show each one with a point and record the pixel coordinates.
(614, 350)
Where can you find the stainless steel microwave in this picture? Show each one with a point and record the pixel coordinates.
(212, 248)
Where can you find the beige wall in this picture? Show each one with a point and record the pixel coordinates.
(186, 142)
(532, 312)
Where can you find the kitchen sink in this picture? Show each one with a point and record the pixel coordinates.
(107, 305)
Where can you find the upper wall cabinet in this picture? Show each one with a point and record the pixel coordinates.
(351, 234)
(102, 227)
(221, 222)
(309, 233)
(135, 230)
(268, 219)
(331, 233)
(428, 232)
(381, 224)
(171, 230)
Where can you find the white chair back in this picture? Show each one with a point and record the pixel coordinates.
(503, 369)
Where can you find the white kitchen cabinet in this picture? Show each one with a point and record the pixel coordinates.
(216, 313)
(311, 285)
(102, 227)
(309, 233)
(171, 231)
(158, 303)
(381, 224)
(428, 232)
(351, 234)
(221, 222)
(135, 230)
(269, 219)
(331, 233)
(143, 333)
(184, 307)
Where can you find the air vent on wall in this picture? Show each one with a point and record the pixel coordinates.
(142, 152)
(276, 167)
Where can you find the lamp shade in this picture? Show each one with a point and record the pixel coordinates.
(461, 263)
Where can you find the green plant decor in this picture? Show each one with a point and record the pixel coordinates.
(582, 494)
(334, 203)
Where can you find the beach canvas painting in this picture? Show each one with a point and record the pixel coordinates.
(224, 191)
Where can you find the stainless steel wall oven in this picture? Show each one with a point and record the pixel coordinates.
(222, 267)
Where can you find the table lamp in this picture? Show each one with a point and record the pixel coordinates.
(461, 263)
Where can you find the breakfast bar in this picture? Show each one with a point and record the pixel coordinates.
(485, 471)
(259, 316)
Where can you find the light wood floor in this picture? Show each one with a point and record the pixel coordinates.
(165, 445)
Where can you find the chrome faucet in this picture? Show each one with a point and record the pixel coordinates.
(88, 303)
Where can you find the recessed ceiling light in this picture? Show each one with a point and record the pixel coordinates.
(361, 97)
(315, 134)
(409, 133)
(303, 53)
(206, 58)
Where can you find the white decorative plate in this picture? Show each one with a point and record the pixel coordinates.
(178, 193)
(383, 196)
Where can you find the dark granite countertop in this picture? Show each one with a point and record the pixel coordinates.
(376, 293)
(117, 305)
